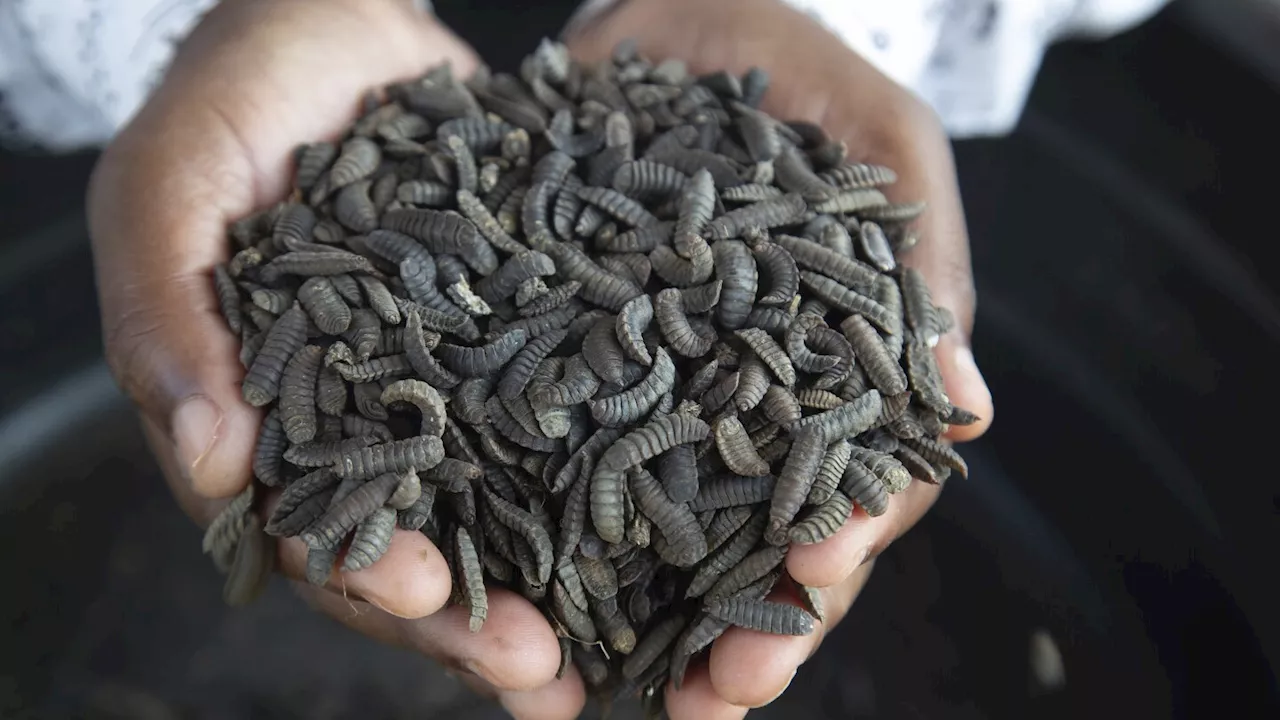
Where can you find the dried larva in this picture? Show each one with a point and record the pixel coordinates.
(422, 396)
(598, 287)
(882, 368)
(471, 578)
(725, 523)
(488, 225)
(683, 271)
(768, 350)
(720, 393)
(520, 433)
(762, 615)
(224, 533)
(482, 360)
(228, 299)
(830, 471)
(367, 399)
(653, 439)
(251, 566)
(753, 383)
(354, 208)
(324, 305)
(924, 377)
(301, 502)
(775, 212)
(311, 161)
(736, 269)
(797, 476)
(823, 521)
(502, 284)
(851, 274)
(684, 338)
(648, 180)
(884, 213)
(286, 337)
(793, 174)
(685, 543)
(632, 321)
(602, 351)
(329, 530)
(321, 453)
(864, 488)
(268, 454)
(293, 228)
(700, 381)
(417, 453)
(818, 399)
(629, 406)
(371, 540)
(390, 367)
(425, 193)
(736, 449)
(652, 645)
(725, 492)
(520, 370)
(859, 175)
(298, 394)
(563, 382)
(852, 418)
(615, 628)
(919, 467)
(852, 201)
(678, 470)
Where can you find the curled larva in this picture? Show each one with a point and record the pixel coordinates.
(633, 319)
(422, 396)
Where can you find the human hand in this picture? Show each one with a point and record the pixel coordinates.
(214, 144)
(817, 78)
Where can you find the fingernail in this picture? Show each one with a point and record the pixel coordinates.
(196, 423)
(863, 556)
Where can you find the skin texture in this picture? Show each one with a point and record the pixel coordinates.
(215, 143)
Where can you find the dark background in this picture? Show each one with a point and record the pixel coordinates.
(1125, 501)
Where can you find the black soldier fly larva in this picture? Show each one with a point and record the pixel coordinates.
(611, 337)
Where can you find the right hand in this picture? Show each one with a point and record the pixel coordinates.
(213, 145)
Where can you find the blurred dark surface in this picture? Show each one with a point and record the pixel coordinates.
(1121, 504)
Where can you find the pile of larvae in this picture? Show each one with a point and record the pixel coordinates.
(610, 336)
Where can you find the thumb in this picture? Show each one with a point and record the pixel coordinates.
(158, 228)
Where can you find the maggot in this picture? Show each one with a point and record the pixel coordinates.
(762, 615)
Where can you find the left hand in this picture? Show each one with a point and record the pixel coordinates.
(816, 77)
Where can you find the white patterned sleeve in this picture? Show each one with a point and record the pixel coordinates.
(72, 72)
(973, 61)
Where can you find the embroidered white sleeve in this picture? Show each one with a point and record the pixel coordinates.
(72, 72)
(973, 61)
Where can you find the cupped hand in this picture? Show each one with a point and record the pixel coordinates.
(212, 145)
(815, 77)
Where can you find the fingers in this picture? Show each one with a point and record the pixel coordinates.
(751, 669)
(862, 537)
(918, 150)
(515, 651)
(697, 699)
(410, 581)
(561, 699)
